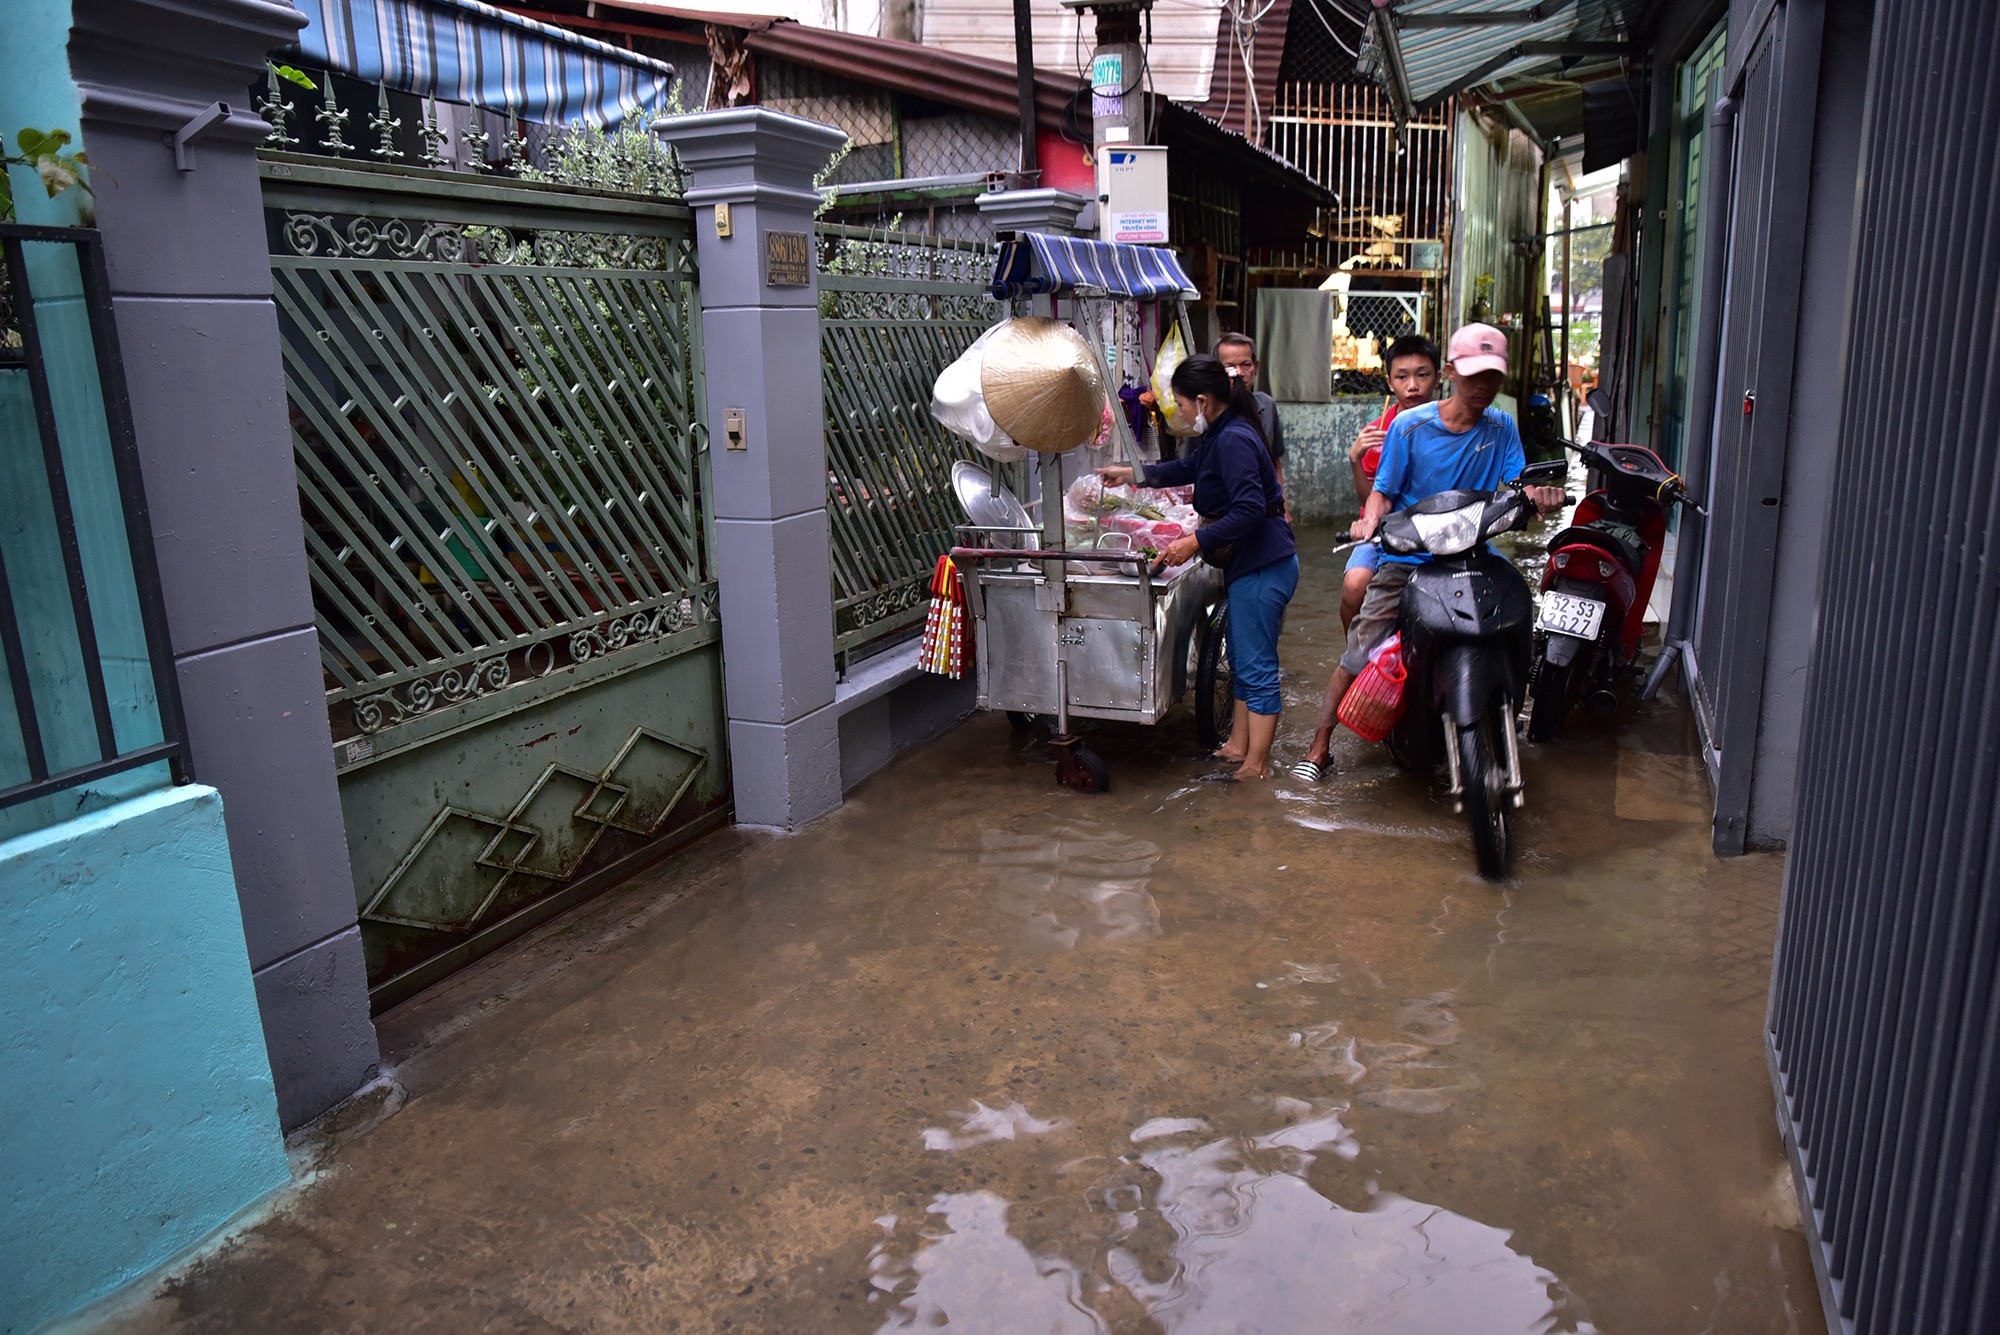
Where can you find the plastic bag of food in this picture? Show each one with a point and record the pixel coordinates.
(1173, 351)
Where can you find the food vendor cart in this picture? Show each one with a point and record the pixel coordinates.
(1073, 616)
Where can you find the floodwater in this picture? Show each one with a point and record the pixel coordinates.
(981, 1052)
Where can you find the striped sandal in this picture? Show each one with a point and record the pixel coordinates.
(1313, 771)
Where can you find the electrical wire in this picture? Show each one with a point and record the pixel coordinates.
(1314, 5)
(1244, 32)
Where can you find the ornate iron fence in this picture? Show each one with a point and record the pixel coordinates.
(895, 310)
(493, 400)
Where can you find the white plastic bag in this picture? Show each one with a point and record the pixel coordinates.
(959, 404)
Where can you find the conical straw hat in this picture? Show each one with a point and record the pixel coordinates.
(1042, 385)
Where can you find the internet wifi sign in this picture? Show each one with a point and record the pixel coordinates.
(1133, 181)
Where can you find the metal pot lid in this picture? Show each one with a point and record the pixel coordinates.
(987, 503)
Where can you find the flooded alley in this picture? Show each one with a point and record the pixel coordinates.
(981, 1052)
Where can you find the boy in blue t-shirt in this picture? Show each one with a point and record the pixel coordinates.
(1462, 443)
(1424, 455)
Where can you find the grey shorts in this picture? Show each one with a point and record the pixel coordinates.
(1377, 617)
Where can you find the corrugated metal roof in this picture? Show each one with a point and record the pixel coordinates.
(949, 77)
(1181, 58)
(1186, 127)
(1264, 44)
(1439, 61)
(923, 71)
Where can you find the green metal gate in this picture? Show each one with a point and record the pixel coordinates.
(895, 310)
(495, 392)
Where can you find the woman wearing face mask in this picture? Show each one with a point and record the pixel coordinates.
(1236, 491)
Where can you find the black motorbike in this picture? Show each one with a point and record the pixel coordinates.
(1467, 626)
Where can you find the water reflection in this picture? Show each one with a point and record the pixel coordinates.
(962, 1268)
(984, 1125)
(1075, 880)
(1253, 1247)
(1203, 1231)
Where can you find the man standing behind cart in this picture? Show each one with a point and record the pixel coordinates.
(1236, 492)
(1459, 443)
(1238, 355)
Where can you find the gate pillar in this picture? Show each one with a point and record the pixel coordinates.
(191, 291)
(750, 185)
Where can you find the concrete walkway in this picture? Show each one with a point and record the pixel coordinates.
(1180, 1057)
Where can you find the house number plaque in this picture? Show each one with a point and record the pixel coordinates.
(788, 259)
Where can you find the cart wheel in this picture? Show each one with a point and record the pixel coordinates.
(1022, 720)
(1214, 701)
(1081, 768)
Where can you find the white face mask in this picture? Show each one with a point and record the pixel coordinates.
(1200, 422)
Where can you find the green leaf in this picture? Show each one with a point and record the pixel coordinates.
(36, 142)
(297, 76)
(6, 196)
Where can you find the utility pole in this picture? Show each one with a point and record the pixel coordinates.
(1024, 83)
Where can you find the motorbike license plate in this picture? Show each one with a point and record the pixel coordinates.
(1567, 614)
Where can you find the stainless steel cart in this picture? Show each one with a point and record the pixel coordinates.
(1089, 633)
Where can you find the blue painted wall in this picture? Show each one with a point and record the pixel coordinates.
(136, 1113)
(36, 92)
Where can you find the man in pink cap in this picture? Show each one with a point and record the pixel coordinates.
(1458, 443)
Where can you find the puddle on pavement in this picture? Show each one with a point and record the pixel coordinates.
(1202, 1232)
(1077, 879)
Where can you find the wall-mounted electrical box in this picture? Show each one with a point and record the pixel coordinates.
(1132, 193)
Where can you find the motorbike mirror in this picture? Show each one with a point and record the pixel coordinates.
(1553, 471)
(1598, 402)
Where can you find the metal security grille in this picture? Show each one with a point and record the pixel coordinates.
(493, 422)
(1395, 185)
(895, 310)
(1885, 1019)
(494, 390)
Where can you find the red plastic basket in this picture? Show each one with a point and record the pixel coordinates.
(1375, 701)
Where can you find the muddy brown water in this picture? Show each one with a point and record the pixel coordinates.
(980, 1052)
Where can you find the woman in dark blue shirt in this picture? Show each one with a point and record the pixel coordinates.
(1237, 494)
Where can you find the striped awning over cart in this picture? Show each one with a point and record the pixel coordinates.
(463, 51)
(1036, 262)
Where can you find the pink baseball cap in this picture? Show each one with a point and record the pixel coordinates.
(1476, 348)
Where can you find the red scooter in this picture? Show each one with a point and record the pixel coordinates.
(1599, 577)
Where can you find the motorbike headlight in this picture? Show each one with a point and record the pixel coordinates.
(1450, 533)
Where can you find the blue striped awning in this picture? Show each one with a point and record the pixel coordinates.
(1037, 262)
(463, 51)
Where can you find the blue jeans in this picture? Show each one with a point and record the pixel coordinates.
(1256, 615)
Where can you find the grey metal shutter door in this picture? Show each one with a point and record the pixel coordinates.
(1885, 1020)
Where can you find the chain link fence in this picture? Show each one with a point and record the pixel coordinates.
(1365, 323)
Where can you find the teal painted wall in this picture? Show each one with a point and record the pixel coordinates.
(136, 1111)
(36, 91)
(1318, 482)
